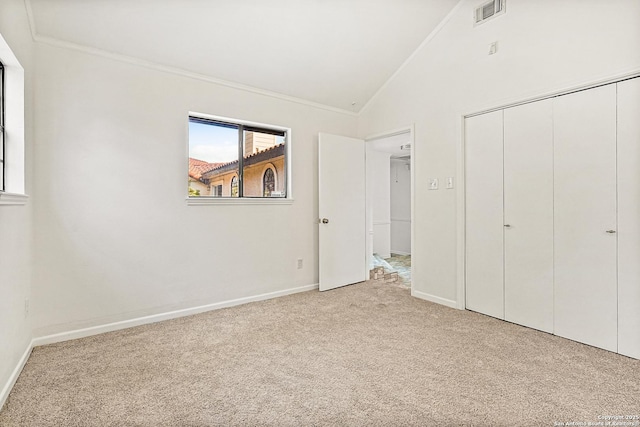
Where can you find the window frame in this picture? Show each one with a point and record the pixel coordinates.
(244, 125)
(3, 135)
(13, 121)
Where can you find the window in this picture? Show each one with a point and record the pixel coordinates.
(2, 152)
(237, 160)
(12, 191)
(234, 186)
(268, 183)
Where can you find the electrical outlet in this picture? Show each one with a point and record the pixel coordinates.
(299, 263)
(26, 307)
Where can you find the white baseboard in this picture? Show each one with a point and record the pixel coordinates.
(433, 298)
(394, 252)
(94, 330)
(4, 394)
(115, 326)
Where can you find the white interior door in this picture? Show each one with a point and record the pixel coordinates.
(528, 215)
(484, 214)
(629, 218)
(342, 227)
(585, 217)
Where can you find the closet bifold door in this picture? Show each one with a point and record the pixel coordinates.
(585, 235)
(528, 215)
(629, 218)
(484, 214)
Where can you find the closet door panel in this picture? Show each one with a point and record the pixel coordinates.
(484, 214)
(629, 218)
(528, 213)
(585, 294)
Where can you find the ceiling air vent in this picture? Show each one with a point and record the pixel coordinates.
(488, 10)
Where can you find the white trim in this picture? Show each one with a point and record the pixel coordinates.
(412, 165)
(13, 199)
(233, 121)
(206, 201)
(430, 37)
(400, 220)
(393, 132)
(394, 252)
(6, 390)
(32, 22)
(115, 326)
(433, 298)
(14, 103)
(575, 87)
(461, 223)
(184, 73)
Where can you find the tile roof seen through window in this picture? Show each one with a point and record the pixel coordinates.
(257, 157)
(198, 167)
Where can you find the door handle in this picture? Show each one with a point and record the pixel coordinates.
(611, 231)
(507, 226)
(324, 221)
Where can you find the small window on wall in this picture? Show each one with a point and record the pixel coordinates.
(232, 159)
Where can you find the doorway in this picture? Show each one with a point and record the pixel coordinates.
(389, 170)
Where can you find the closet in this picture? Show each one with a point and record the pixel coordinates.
(552, 215)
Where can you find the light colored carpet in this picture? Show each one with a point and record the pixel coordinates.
(363, 355)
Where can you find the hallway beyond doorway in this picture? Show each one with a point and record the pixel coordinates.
(400, 264)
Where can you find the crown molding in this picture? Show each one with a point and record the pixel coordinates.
(52, 41)
(210, 79)
(426, 41)
(32, 23)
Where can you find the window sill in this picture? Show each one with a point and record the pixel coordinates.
(13, 199)
(201, 201)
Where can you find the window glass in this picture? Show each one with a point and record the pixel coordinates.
(268, 183)
(235, 160)
(261, 150)
(234, 186)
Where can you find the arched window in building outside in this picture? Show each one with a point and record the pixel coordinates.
(234, 186)
(268, 183)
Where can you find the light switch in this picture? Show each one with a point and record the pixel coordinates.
(450, 182)
(433, 183)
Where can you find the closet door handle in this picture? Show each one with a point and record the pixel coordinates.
(611, 231)
(507, 226)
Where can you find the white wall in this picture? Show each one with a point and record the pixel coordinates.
(378, 162)
(15, 221)
(543, 46)
(400, 207)
(115, 239)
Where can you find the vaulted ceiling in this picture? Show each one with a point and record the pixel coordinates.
(330, 52)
